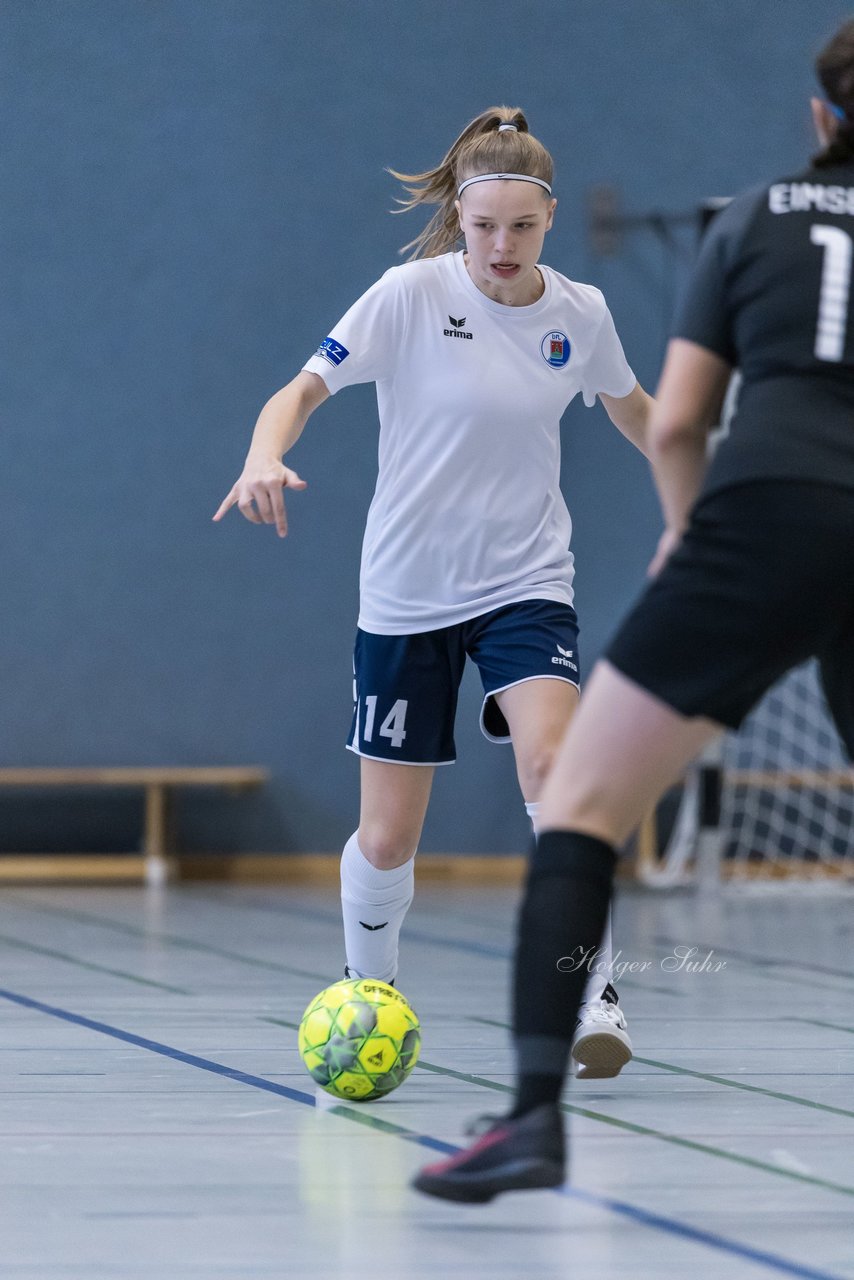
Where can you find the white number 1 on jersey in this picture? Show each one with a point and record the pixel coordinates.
(835, 288)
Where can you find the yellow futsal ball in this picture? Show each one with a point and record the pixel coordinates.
(359, 1039)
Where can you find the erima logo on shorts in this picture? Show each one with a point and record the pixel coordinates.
(556, 349)
(332, 351)
(565, 660)
(456, 330)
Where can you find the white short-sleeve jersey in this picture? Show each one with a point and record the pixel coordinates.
(468, 514)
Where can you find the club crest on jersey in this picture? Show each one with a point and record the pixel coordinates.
(332, 351)
(555, 348)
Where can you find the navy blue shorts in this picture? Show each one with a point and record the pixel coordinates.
(762, 580)
(405, 688)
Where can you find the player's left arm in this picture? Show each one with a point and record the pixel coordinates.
(688, 405)
(631, 414)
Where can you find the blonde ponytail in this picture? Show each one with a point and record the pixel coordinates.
(482, 147)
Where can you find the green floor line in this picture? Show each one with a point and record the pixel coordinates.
(188, 944)
(641, 1130)
(629, 984)
(796, 1099)
(174, 940)
(817, 1022)
(766, 966)
(371, 1121)
(88, 964)
(644, 1131)
(763, 971)
(748, 1088)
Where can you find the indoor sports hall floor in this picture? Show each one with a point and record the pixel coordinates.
(155, 1120)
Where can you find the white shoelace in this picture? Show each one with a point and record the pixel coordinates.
(603, 1011)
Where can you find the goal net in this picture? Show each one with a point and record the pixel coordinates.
(786, 794)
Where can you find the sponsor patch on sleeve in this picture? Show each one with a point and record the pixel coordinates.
(332, 351)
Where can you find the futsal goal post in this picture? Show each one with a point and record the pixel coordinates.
(772, 802)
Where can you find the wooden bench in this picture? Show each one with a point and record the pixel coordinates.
(158, 785)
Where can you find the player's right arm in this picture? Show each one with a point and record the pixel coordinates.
(259, 491)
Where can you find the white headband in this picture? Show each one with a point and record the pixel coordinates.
(514, 177)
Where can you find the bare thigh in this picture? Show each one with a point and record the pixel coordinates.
(538, 712)
(624, 749)
(394, 803)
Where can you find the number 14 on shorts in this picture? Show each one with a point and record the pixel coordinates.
(392, 727)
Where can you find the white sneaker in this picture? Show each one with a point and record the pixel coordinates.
(601, 1046)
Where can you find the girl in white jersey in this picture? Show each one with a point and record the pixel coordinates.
(475, 355)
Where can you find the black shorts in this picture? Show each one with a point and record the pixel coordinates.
(405, 687)
(762, 581)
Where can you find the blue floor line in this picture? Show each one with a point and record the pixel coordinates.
(165, 1050)
(642, 1216)
(760, 1256)
(412, 935)
(766, 962)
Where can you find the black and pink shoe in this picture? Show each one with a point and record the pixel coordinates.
(514, 1155)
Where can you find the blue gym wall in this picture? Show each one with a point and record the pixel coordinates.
(194, 190)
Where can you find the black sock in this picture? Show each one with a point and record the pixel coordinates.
(560, 926)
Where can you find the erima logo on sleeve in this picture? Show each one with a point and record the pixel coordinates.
(332, 351)
(457, 327)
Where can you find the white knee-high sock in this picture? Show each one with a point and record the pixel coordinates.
(373, 904)
(602, 963)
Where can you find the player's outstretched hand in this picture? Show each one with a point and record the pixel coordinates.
(258, 495)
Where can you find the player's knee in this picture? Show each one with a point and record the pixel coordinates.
(535, 768)
(386, 847)
(584, 806)
(588, 810)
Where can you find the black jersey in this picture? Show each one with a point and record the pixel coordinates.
(771, 295)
